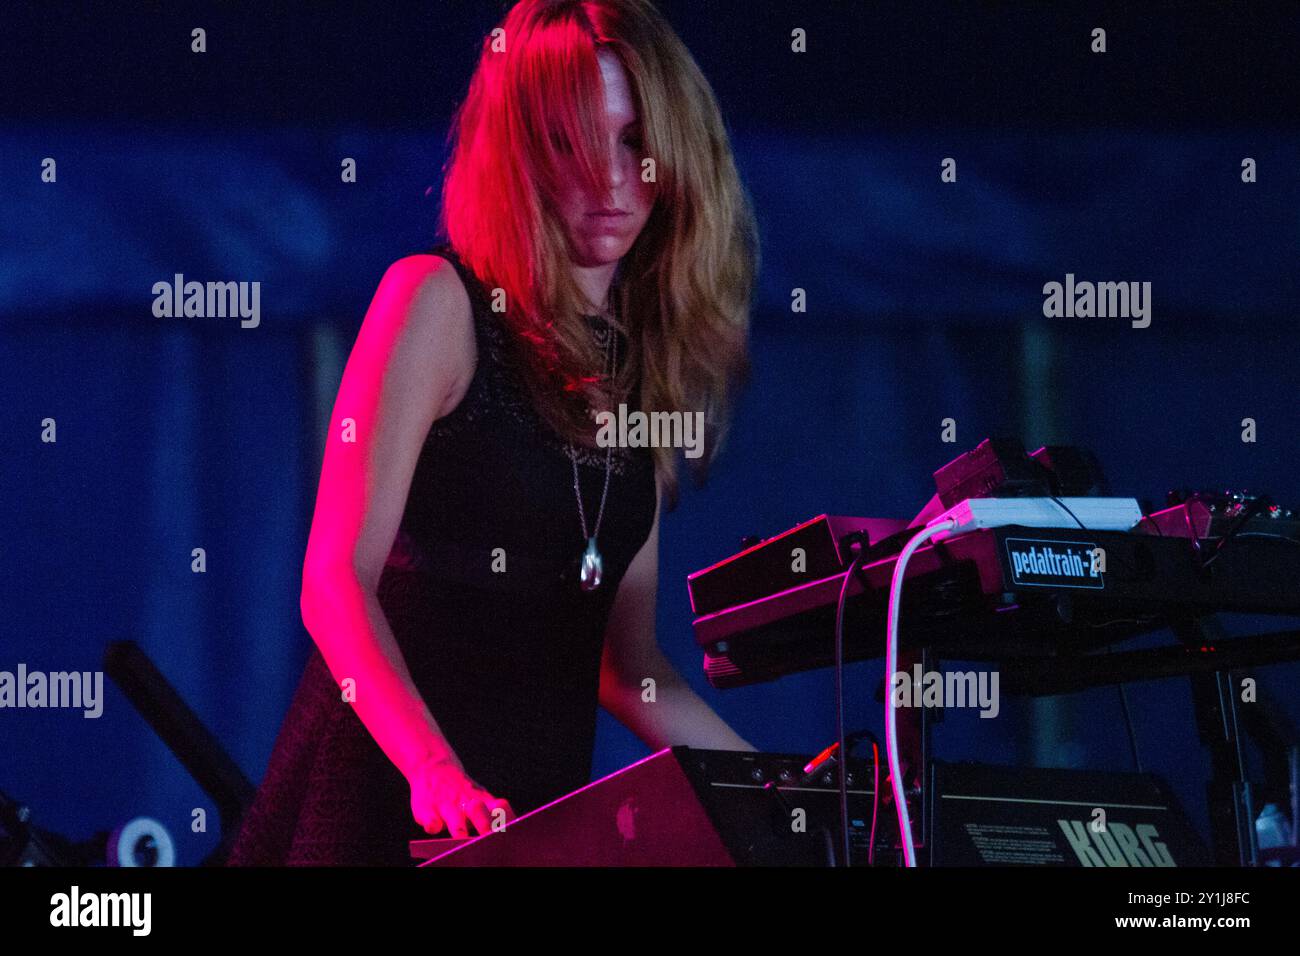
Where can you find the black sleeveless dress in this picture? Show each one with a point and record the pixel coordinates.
(508, 663)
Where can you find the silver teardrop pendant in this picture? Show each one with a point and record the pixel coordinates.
(592, 567)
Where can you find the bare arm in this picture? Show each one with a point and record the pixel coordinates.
(411, 363)
(678, 715)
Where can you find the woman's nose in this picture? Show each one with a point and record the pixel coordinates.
(617, 174)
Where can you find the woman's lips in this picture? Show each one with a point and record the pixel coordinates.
(609, 222)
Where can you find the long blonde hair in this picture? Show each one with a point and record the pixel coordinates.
(684, 288)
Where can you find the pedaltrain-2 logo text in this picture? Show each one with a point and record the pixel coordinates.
(1049, 563)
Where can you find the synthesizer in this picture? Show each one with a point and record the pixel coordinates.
(997, 592)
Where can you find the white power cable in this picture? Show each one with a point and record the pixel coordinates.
(967, 522)
(891, 667)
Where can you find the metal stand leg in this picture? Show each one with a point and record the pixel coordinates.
(1214, 699)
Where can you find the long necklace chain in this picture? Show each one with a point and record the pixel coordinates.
(611, 360)
(591, 566)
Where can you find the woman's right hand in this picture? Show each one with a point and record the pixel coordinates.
(444, 796)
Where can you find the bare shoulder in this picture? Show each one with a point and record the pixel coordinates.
(422, 309)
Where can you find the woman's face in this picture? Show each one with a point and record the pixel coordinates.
(602, 229)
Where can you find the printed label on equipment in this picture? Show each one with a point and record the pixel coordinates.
(1055, 564)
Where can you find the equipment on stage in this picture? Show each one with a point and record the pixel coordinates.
(816, 549)
(1034, 575)
(1215, 516)
(1020, 816)
(1026, 560)
(995, 592)
(687, 807)
(141, 841)
(999, 467)
(679, 807)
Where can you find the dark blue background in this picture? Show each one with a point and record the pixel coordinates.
(924, 302)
